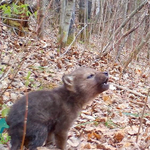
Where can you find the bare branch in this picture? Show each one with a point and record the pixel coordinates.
(137, 50)
(141, 120)
(105, 51)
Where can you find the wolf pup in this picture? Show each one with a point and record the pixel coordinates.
(52, 112)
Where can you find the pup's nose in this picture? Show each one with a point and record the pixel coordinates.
(106, 73)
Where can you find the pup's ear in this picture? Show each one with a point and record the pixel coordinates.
(68, 81)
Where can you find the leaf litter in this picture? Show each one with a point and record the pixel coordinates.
(111, 121)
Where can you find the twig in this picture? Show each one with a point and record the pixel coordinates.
(131, 91)
(141, 104)
(6, 74)
(136, 50)
(105, 51)
(74, 40)
(13, 18)
(130, 16)
(8, 64)
(25, 122)
(141, 120)
(130, 31)
(19, 66)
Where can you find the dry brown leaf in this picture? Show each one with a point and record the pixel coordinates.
(102, 119)
(90, 135)
(11, 76)
(107, 99)
(118, 137)
(87, 146)
(7, 94)
(98, 136)
(133, 130)
(88, 128)
(122, 106)
(147, 139)
(127, 144)
(100, 146)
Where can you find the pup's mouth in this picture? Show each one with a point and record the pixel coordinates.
(105, 84)
(106, 81)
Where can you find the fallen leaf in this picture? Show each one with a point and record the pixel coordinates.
(133, 130)
(118, 137)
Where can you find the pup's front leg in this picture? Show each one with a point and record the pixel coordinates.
(61, 139)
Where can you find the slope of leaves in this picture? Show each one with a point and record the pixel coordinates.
(111, 121)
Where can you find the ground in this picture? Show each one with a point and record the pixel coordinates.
(112, 120)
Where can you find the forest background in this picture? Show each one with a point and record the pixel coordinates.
(42, 40)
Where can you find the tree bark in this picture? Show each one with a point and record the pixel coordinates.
(66, 14)
(41, 17)
(85, 7)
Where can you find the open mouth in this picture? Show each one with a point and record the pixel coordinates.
(105, 83)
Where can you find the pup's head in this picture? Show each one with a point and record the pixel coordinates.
(86, 81)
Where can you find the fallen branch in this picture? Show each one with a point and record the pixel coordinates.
(130, 91)
(140, 104)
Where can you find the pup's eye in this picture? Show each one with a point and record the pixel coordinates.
(90, 76)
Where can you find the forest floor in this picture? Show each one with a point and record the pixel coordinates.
(111, 121)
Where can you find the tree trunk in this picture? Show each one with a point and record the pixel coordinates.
(85, 7)
(66, 15)
(41, 18)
